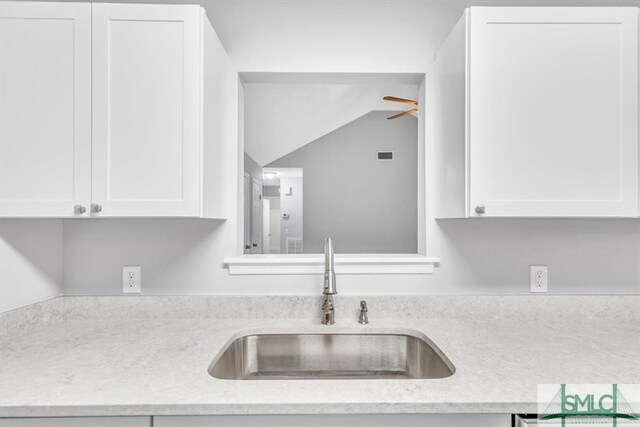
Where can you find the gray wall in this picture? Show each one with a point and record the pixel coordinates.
(365, 205)
(484, 256)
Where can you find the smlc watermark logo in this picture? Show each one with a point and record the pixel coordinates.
(593, 404)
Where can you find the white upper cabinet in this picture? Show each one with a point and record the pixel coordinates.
(548, 98)
(146, 109)
(113, 110)
(45, 109)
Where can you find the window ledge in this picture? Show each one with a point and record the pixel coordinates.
(344, 264)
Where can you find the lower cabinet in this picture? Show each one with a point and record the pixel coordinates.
(371, 420)
(78, 422)
(399, 420)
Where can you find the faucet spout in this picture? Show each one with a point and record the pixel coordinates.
(329, 273)
(329, 290)
(328, 254)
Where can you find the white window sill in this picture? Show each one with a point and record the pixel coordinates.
(344, 264)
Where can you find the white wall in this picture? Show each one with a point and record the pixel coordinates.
(348, 36)
(478, 256)
(252, 168)
(176, 255)
(30, 261)
(274, 224)
(292, 205)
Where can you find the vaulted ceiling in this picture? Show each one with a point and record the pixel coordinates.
(280, 118)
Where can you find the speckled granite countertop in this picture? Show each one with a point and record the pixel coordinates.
(116, 356)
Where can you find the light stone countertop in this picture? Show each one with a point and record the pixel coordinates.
(117, 365)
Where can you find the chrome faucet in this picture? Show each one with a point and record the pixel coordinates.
(329, 290)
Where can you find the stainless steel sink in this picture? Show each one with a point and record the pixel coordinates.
(330, 356)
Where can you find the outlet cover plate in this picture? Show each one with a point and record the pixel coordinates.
(539, 278)
(131, 279)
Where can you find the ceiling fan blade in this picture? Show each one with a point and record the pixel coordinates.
(403, 100)
(404, 113)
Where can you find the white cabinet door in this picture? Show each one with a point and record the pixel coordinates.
(554, 111)
(45, 109)
(146, 109)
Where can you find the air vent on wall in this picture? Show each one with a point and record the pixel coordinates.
(294, 245)
(384, 155)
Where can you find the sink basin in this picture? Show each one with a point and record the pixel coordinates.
(330, 356)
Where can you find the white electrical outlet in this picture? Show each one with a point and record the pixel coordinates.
(539, 278)
(131, 279)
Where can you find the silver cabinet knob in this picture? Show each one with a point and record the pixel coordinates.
(96, 208)
(79, 209)
(480, 209)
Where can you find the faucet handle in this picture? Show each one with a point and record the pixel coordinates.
(363, 318)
